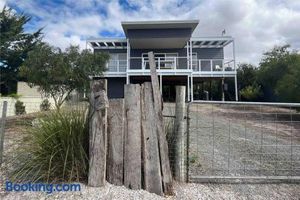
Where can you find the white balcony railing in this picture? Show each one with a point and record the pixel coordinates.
(171, 63)
(212, 65)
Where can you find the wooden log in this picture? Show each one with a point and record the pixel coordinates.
(115, 141)
(2, 129)
(179, 124)
(163, 145)
(132, 157)
(151, 164)
(98, 133)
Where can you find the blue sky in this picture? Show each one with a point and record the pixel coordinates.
(256, 25)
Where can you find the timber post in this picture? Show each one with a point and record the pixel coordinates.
(98, 133)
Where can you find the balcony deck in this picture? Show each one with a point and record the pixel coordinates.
(172, 66)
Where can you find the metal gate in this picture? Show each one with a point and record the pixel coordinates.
(243, 141)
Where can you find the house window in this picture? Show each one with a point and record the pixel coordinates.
(165, 60)
(195, 62)
(117, 62)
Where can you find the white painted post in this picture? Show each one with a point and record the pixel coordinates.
(235, 76)
(128, 55)
(187, 55)
(188, 87)
(236, 88)
(192, 89)
(191, 54)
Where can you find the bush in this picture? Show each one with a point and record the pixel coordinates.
(251, 93)
(45, 105)
(57, 149)
(19, 108)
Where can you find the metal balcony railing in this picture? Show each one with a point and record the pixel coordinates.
(172, 63)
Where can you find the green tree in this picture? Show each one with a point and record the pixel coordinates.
(58, 73)
(247, 82)
(273, 67)
(288, 87)
(14, 47)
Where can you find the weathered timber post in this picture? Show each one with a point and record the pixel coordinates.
(98, 133)
(151, 162)
(163, 145)
(115, 141)
(179, 163)
(133, 137)
(2, 129)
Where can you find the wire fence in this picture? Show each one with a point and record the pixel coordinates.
(243, 141)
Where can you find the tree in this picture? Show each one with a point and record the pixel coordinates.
(288, 87)
(246, 74)
(58, 73)
(273, 67)
(14, 46)
(249, 89)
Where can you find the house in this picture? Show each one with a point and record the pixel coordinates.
(180, 58)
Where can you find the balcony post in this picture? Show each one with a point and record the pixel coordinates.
(128, 55)
(211, 66)
(191, 54)
(192, 89)
(187, 55)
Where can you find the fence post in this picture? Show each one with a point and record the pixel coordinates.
(98, 133)
(2, 129)
(132, 150)
(179, 134)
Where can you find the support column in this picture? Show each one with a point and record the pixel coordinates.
(188, 88)
(192, 89)
(236, 88)
(223, 94)
(128, 62)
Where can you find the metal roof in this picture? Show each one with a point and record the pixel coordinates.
(170, 24)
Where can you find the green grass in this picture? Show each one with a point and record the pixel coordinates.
(56, 149)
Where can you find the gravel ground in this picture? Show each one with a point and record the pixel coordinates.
(14, 137)
(226, 143)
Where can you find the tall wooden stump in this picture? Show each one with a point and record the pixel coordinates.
(115, 138)
(179, 166)
(152, 172)
(162, 140)
(98, 133)
(132, 157)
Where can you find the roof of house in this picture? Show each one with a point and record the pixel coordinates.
(170, 24)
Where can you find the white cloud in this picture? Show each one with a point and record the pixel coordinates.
(256, 25)
(2, 4)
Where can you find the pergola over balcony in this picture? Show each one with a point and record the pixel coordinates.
(211, 42)
(108, 43)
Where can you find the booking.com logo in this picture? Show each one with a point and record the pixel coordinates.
(41, 187)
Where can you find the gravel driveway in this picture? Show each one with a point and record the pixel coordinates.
(235, 142)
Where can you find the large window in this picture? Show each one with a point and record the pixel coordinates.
(117, 62)
(164, 60)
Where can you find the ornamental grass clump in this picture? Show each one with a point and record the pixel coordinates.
(57, 149)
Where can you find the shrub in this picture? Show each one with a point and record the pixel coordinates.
(19, 108)
(251, 93)
(57, 149)
(45, 105)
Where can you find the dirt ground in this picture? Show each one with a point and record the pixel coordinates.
(14, 137)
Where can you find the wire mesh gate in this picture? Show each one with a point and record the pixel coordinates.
(237, 141)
